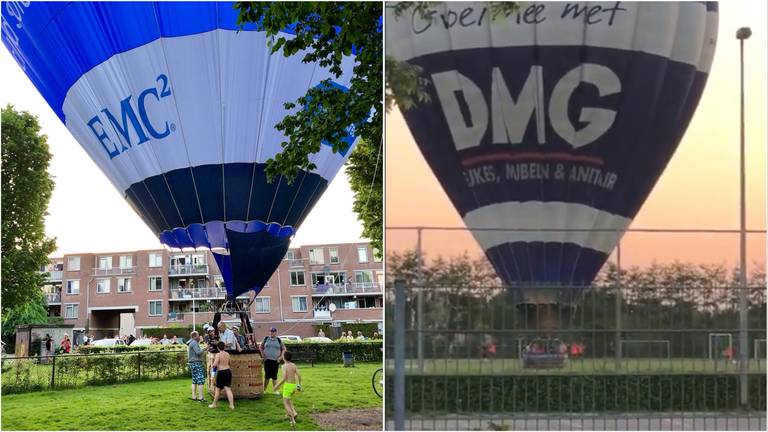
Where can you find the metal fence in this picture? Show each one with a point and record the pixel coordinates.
(624, 355)
(646, 356)
(28, 374)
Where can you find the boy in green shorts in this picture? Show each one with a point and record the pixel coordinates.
(290, 383)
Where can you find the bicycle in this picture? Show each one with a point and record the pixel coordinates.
(377, 381)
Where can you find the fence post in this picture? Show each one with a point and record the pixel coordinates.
(419, 305)
(53, 373)
(399, 323)
(619, 301)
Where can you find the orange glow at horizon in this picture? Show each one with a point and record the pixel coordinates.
(699, 189)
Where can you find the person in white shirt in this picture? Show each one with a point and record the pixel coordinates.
(228, 337)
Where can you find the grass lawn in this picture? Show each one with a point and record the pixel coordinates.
(165, 405)
(500, 366)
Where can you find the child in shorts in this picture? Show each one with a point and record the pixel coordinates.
(290, 384)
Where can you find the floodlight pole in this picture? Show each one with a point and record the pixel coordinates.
(618, 305)
(419, 305)
(743, 34)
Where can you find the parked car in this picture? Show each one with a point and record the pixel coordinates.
(108, 342)
(290, 338)
(141, 342)
(317, 339)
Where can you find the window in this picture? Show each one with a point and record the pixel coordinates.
(299, 303)
(290, 255)
(339, 278)
(333, 254)
(73, 263)
(102, 286)
(262, 304)
(362, 254)
(363, 276)
(297, 278)
(73, 287)
(156, 308)
(70, 311)
(126, 261)
(376, 255)
(316, 256)
(155, 259)
(105, 263)
(155, 283)
(124, 285)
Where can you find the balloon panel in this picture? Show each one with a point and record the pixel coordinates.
(561, 117)
(178, 108)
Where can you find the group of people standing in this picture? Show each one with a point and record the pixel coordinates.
(272, 351)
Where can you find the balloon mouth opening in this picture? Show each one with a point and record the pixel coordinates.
(212, 235)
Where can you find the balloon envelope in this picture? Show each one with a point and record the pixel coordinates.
(178, 108)
(553, 123)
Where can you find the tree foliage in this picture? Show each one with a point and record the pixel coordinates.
(365, 175)
(326, 32)
(26, 190)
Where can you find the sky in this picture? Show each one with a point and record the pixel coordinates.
(88, 214)
(698, 190)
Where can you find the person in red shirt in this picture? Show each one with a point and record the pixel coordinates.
(66, 344)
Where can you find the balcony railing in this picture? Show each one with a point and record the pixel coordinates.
(54, 276)
(111, 271)
(197, 293)
(323, 314)
(53, 298)
(175, 316)
(349, 288)
(188, 269)
(296, 262)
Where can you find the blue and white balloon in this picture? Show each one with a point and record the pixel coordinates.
(561, 116)
(177, 106)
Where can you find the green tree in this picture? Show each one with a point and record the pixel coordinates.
(26, 190)
(326, 32)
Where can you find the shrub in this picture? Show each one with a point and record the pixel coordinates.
(364, 351)
(579, 393)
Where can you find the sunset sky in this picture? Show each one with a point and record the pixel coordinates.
(698, 190)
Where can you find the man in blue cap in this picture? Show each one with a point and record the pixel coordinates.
(272, 350)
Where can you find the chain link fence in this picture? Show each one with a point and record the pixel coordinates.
(622, 354)
(28, 374)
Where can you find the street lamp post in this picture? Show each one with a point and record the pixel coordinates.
(743, 34)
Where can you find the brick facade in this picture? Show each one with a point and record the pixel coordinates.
(112, 290)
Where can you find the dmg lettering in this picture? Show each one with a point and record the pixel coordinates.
(468, 121)
(129, 126)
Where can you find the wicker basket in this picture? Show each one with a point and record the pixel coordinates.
(247, 375)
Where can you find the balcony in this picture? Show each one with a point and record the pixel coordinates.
(175, 317)
(53, 298)
(322, 314)
(187, 294)
(347, 289)
(53, 276)
(293, 263)
(114, 271)
(188, 269)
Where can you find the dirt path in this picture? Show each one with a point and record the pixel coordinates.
(350, 419)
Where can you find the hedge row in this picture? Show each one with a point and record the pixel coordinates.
(363, 351)
(71, 371)
(579, 393)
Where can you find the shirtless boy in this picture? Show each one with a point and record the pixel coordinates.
(223, 377)
(290, 383)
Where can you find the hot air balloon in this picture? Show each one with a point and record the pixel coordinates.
(177, 106)
(553, 122)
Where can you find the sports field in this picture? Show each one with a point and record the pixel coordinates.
(498, 366)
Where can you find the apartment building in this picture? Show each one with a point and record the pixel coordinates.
(125, 292)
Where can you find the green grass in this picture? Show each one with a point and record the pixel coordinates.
(584, 366)
(165, 405)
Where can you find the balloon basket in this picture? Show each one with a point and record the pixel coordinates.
(247, 375)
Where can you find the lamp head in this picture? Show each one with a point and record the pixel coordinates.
(743, 33)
